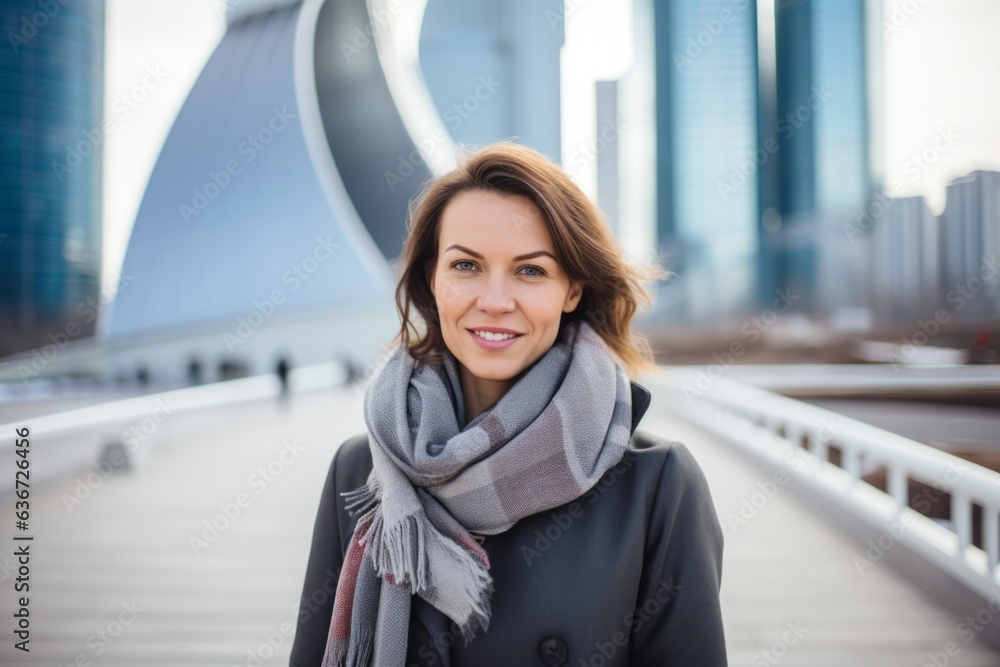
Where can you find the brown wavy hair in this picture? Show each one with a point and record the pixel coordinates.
(585, 246)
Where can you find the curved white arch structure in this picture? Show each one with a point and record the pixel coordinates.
(287, 174)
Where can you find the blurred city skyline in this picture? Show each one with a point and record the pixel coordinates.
(928, 89)
(822, 178)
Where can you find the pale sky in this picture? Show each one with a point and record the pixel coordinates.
(942, 70)
(176, 36)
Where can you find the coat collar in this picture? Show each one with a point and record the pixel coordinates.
(640, 402)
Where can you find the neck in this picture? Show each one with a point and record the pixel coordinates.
(480, 393)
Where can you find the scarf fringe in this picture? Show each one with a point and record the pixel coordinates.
(361, 499)
(360, 654)
(478, 585)
(399, 550)
(399, 554)
(335, 654)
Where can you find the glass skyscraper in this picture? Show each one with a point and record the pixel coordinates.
(51, 108)
(492, 68)
(970, 229)
(765, 115)
(706, 137)
(826, 56)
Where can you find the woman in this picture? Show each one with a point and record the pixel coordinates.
(502, 509)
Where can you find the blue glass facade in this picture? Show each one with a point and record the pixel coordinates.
(841, 137)
(51, 104)
(826, 166)
(707, 137)
(492, 68)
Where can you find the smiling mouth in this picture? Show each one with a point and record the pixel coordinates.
(487, 340)
(489, 335)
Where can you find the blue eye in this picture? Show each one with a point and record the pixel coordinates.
(535, 268)
(539, 273)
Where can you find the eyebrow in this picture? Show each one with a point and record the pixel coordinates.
(530, 255)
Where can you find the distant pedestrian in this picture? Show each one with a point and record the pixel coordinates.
(282, 371)
(194, 372)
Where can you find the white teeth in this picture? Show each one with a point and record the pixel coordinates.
(493, 336)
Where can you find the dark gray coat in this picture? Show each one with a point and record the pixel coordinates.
(628, 574)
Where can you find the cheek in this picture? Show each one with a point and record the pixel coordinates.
(544, 304)
(452, 294)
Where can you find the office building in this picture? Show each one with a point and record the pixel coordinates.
(492, 69)
(827, 64)
(53, 128)
(690, 104)
(906, 262)
(970, 229)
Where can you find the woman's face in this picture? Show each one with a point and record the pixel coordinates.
(496, 271)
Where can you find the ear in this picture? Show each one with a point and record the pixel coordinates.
(573, 297)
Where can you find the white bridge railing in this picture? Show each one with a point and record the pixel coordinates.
(75, 441)
(799, 438)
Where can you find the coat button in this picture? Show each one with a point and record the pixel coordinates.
(552, 650)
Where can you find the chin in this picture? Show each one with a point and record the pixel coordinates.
(495, 369)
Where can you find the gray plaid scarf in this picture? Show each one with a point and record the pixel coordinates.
(435, 480)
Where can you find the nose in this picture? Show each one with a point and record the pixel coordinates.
(496, 297)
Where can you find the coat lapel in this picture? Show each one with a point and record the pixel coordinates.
(640, 402)
(436, 624)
